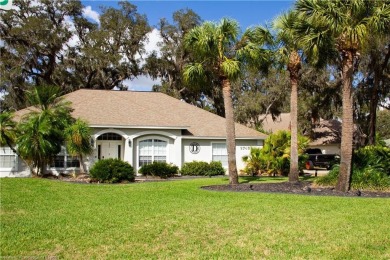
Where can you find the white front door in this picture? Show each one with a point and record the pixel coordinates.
(110, 149)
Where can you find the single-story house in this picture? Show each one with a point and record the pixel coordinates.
(327, 133)
(142, 127)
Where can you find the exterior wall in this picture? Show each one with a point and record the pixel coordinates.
(328, 148)
(131, 139)
(178, 149)
(205, 152)
(21, 170)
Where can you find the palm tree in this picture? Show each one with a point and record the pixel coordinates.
(7, 130)
(253, 161)
(290, 56)
(41, 130)
(77, 138)
(37, 143)
(342, 25)
(218, 52)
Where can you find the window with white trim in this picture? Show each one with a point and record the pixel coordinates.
(8, 158)
(152, 150)
(219, 154)
(64, 160)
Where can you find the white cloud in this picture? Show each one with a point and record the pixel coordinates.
(151, 44)
(74, 40)
(145, 83)
(91, 14)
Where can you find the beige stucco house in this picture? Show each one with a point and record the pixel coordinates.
(142, 127)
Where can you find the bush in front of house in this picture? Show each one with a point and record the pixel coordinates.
(160, 169)
(216, 168)
(370, 169)
(274, 157)
(112, 171)
(200, 168)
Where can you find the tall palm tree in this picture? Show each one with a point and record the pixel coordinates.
(343, 25)
(77, 138)
(285, 25)
(219, 51)
(41, 130)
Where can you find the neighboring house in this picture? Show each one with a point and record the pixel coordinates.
(327, 133)
(142, 127)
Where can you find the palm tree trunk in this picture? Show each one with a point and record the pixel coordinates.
(293, 176)
(42, 170)
(230, 131)
(343, 183)
(82, 166)
(294, 67)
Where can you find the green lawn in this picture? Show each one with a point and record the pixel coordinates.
(177, 220)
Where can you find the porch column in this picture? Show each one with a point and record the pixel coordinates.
(178, 152)
(129, 148)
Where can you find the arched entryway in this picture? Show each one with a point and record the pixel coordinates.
(110, 145)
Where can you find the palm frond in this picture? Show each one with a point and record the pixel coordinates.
(228, 29)
(231, 68)
(193, 72)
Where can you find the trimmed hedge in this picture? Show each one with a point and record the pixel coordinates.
(199, 168)
(160, 169)
(112, 171)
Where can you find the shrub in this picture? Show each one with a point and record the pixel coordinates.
(195, 168)
(370, 178)
(160, 169)
(254, 162)
(373, 156)
(216, 168)
(331, 178)
(274, 157)
(370, 169)
(199, 168)
(112, 171)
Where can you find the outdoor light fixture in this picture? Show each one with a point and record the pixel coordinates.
(129, 143)
(92, 142)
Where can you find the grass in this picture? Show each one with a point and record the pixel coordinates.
(176, 220)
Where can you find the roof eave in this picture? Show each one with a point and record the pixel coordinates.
(141, 127)
(223, 137)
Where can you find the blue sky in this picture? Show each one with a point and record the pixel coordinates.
(247, 13)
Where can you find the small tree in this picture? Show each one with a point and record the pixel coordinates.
(41, 130)
(7, 130)
(274, 157)
(254, 161)
(77, 138)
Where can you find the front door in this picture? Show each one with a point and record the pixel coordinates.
(110, 149)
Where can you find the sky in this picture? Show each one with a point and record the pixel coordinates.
(247, 13)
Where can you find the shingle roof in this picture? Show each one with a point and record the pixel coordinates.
(325, 132)
(149, 109)
(282, 122)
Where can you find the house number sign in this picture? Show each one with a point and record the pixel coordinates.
(194, 148)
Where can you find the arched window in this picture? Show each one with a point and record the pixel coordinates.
(152, 150)
(109, 136)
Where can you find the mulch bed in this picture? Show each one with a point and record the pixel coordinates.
(302, 188)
